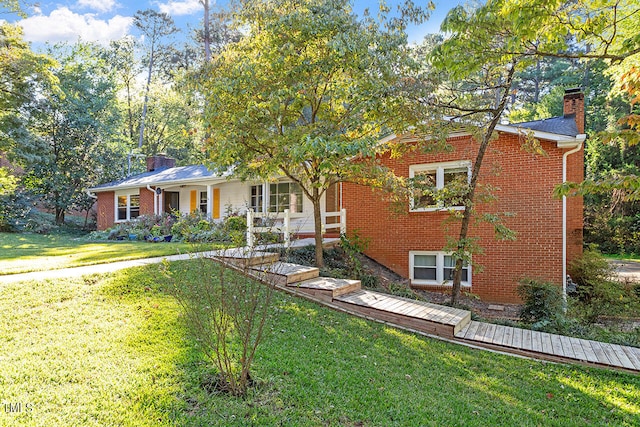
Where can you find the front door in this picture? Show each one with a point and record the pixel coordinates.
(171, 201)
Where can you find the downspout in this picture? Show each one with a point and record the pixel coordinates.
(155, 199)
(564, 220)
(90, 194)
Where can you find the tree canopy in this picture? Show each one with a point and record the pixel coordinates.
(308, 89)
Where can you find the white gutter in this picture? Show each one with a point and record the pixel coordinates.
(155, 199)
(580, 139)
(90, 194)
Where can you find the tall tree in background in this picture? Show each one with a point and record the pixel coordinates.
(206, 34)
(308, 89)
(487, 45)
(74, 131)
(21, 71)
(119, 57)
(155, 27)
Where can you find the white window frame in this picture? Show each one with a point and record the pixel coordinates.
(261, 190)
(267, 199)
(439, 169)
(203, 201)
(440, 280)
(116, 207)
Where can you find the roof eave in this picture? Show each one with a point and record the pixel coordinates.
(562, 141)
(160, 184)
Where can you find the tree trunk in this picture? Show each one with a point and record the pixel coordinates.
(59, 216)
(317, 219)
(207, 31)
(463, 243)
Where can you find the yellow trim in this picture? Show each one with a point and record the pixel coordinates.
(216, 203)
(194, 201)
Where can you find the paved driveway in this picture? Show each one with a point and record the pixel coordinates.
(627, 269)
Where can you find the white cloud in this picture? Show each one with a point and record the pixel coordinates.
(65, 25)
(180, 8)
(99, 5)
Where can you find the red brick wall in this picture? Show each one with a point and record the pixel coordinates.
(575, 206)
(106, 209)
(146, 201)
(524, 185)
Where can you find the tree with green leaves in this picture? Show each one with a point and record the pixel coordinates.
(12, 6)
(156, 27)
(306, 91)
(21, 72)
(73, 131)
(486, 46)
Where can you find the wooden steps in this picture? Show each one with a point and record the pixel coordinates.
(443, 321)
(550, 346)
(243, 258)
(284, 273)
(431, 318)
(327, 288)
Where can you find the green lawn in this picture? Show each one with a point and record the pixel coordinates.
(22, 253)
(112, 350)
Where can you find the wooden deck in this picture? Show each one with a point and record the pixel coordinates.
(433, 319)
(284, 273)
(445, 321)
(551, 346)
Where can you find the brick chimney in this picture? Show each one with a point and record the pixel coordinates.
(160, 161)
(574, 106)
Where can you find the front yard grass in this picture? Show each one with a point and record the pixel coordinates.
(113, 350)
(24, 252)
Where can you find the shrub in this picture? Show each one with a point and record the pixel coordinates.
(14, 210)
(598, 293)
(226, 312)
(542, 301)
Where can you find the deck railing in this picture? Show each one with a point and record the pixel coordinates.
(282, 224)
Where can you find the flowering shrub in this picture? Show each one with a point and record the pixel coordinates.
(193, 227)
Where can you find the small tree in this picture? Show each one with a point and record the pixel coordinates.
(226, 312)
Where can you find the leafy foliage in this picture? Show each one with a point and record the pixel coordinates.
(598, 292)
(21, 72)
(307, 90)
(72, 140)
(542, 301)
(226, 312)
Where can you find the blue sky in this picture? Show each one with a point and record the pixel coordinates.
(105, 20)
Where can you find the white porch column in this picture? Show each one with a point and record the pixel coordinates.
(250, 239)
(209, 201)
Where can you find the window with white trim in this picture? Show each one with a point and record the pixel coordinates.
(438, 178)
(435, 268)
(128, 207)
(285, 195)
(203, 201)
(256, 198)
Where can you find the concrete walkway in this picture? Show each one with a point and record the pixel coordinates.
(88, 269)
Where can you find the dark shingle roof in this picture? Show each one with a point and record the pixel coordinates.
(563, 125)
(162, 176)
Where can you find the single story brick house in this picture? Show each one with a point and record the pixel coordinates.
(549, 230)
(165, 187)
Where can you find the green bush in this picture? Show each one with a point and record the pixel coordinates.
(598, 292)
(542, 301)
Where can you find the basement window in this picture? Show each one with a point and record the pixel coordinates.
(435, 268)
